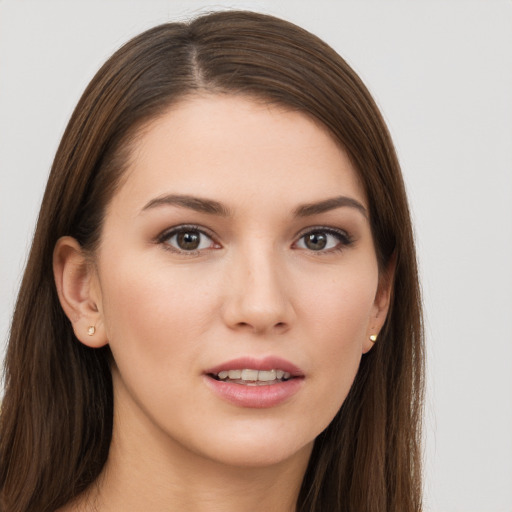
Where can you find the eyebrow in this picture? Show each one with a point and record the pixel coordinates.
(193, 203)
(212, 207)
(309, 209)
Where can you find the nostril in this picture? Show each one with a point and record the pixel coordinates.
(277, 327)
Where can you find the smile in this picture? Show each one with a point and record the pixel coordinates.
(251, 377)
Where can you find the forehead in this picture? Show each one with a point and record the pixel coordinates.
(234, 148)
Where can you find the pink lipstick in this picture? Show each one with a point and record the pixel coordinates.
(255, 383)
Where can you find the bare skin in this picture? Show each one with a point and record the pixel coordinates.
(240, 232)
(157, 485)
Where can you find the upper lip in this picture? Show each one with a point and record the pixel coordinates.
(253, 363)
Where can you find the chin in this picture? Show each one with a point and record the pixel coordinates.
(261, 455)
(256, 446)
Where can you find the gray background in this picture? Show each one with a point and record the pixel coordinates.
(442, 74)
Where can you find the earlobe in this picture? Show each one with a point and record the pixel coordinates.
(380, 310)
(78, 291)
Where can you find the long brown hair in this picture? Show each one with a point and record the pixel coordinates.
(56, 419)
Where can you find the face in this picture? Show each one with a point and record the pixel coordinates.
(237, 282)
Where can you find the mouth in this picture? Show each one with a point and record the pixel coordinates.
(252, 377)
(257, 383)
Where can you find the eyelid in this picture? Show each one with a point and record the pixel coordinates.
(165, 235)
(345, 239)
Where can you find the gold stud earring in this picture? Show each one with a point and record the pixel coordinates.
(91, 330)
(373, 338)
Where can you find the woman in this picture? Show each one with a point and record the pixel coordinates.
(221, 308)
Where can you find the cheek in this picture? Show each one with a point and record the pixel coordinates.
(341, 304)
(340, 313)
(152, 311)
(155, 319)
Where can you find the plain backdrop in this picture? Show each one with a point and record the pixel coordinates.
(442, 74)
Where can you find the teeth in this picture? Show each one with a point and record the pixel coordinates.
(267, 375)
(249, 375)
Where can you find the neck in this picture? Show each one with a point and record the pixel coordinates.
(202, 488)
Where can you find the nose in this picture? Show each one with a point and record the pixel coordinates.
(258, 295)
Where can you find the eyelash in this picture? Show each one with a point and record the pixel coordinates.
(344, 239)
(165, 237)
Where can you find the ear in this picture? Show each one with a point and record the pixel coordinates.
(79, 292)
(381, 304)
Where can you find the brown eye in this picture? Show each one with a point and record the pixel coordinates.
(185, 239)
(328, 239)
(315, 241)
(188, 240)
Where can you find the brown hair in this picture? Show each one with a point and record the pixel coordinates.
(56, 419)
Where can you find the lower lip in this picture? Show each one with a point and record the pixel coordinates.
(255, 397)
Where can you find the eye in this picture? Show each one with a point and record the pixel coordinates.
(187, 239)
(323, 239)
